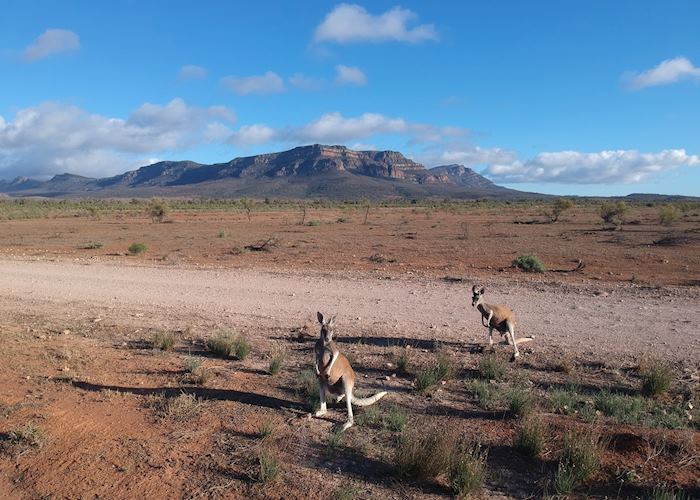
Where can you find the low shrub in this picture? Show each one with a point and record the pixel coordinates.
(137, 248)
(529, 263)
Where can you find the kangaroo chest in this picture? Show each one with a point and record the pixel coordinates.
(324, 353)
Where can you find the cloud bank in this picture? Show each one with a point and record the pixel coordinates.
(334, 128)
(53, 138)
(605, 167)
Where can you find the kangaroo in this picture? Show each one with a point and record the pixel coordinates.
(497, 317)
(335, 374)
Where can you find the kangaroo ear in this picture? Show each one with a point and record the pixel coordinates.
(320, 318)
(331, 322)
(474, 289)
(482, 290)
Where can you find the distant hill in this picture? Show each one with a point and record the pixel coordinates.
(315, 171)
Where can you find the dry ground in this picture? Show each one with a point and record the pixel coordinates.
(80, 371)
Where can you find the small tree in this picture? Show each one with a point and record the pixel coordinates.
(367, 205)
(559, 207)
(158, 209)
(612, 213)
(247, 205)
(668, 214)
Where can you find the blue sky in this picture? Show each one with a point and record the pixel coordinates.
(596, 98)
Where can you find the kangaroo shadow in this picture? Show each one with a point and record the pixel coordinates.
(249, 398)
(407, 342)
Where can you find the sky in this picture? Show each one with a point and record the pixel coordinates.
(580, 98)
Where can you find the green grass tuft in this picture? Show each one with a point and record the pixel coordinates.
(163, 341)
(491, 368)
(656, 378)
(530, 437)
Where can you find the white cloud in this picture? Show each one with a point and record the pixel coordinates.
(348, 23)
(349, 75)
(253, 134)
(50, 42)
(54, 137)
(667, 72)
(304, 82)
(269, 83)
(469, 156)
(605, 167)
(192, 72)
(334, 128)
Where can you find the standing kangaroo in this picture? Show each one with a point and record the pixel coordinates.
(335, 375)
(497, 317)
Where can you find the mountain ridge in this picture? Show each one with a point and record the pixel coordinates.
(312, 171)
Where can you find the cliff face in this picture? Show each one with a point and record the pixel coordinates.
(461, 176)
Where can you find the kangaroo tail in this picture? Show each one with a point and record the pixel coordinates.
(368, 401)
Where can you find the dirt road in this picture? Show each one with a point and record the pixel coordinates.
(605, 320)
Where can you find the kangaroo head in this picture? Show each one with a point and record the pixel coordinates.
(477, 295)
(326, 327)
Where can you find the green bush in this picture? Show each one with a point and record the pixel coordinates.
(558, 207)
(612, 213)
(137, 248)
(158, 209)
(668, 215)
(529, 263)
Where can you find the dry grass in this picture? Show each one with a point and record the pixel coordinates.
(424, 453)
(180, 408)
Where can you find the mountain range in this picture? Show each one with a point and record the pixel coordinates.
(315, 171)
